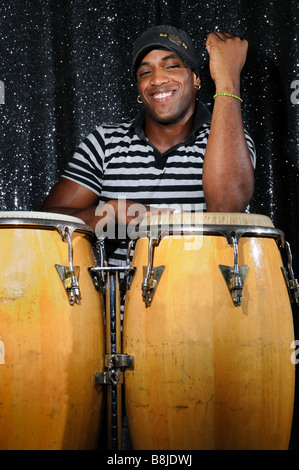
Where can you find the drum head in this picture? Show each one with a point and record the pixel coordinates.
(208, 218)
(40, 216)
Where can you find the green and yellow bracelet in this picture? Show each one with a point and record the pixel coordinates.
(230, 95)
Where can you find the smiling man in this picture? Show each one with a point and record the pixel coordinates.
(174, 153)
(167, 88)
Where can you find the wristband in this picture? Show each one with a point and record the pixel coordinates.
(228, 94)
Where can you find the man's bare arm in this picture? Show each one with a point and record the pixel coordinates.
(228, 177)
(70, 198)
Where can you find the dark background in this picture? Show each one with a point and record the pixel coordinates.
(65, 69)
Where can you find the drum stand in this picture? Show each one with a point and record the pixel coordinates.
(115, 361)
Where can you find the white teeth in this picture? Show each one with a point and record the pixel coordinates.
(162, 95)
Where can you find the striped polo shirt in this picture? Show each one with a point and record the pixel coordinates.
(119, 162)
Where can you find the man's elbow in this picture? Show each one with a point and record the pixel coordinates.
(231, 199)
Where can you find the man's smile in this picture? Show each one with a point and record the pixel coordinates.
(162, 96)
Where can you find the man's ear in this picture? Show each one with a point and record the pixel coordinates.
(197, 82)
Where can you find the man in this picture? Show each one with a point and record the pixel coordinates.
(174, 152)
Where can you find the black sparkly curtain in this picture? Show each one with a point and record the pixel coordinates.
(65, 68)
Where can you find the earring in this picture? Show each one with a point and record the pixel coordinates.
(197, 87)
(139, 100)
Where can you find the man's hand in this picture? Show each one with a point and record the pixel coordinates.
(124, 214)
(227, 58)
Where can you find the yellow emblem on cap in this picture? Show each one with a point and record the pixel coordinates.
(175, 39)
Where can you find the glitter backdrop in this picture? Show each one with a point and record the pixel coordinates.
(65, 69)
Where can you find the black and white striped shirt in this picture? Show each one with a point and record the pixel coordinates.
(118, 162)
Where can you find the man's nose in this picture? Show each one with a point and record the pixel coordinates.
(159, 76)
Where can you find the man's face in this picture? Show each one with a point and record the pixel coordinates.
(166, 87)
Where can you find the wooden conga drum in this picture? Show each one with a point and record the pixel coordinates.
(212, 358)
(52, 339)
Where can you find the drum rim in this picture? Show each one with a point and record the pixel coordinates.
(43, 222)
(160, 231)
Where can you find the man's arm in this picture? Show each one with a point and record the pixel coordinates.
(228, 177)
(70, 198)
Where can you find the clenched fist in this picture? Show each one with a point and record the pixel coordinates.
(227, 58)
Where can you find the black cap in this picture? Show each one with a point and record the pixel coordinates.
(169, 38)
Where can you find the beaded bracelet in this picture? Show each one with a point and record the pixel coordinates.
(230, 95)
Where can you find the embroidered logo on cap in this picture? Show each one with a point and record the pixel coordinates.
(175, 39)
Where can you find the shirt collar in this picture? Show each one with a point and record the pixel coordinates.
(201, 116)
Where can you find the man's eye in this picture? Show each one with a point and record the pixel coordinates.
(144, 74)
(172, 66)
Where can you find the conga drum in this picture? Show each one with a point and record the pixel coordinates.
(208, 322)
(52, 339)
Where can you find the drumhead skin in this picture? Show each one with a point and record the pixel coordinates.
(208, 218)
(46, 216)
(209, 375)
(49, 349)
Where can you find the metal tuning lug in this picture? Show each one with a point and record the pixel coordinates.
(235, 276)
(70, 282)
(291, 281)
(151, 275)
(98, 278)
(129, 274)
(69, 275)
(235, 281)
